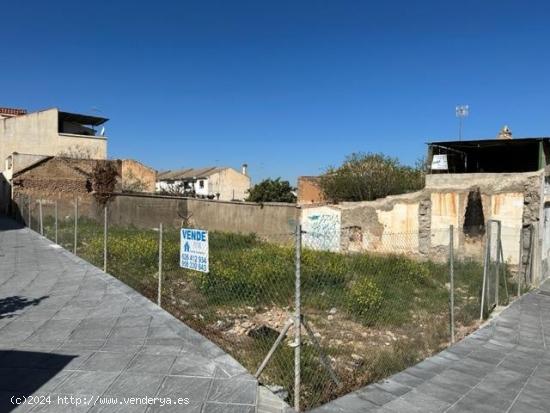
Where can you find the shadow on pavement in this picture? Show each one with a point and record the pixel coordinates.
(22, 373)
(9, 305)
(9, 224)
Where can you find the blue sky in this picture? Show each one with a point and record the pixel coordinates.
(290, 87)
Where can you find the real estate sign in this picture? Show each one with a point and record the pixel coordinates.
(194, 249)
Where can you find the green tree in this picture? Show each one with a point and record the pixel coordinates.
(368, 176)
(272, 190)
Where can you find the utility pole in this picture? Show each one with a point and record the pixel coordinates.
(461, 111)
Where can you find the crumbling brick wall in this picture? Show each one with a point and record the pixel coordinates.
(57, 177)
(137, 177)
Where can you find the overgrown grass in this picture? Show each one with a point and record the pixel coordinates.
(387, 311)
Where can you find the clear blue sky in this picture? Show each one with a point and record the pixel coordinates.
(290, 87)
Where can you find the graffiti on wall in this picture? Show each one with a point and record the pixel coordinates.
(321, 229)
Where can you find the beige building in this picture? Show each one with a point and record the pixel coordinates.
(221, 183)
(51, 132)
(37, 135)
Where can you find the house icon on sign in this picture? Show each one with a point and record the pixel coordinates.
(186, 247)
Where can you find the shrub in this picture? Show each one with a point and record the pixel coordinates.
(365, 298)
(272, 190)
(364, 177)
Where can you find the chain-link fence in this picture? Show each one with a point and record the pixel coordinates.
(386, 307)
(313, 314)
(496, 289)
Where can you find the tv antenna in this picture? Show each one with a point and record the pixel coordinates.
(462, 111)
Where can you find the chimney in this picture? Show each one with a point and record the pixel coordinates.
(505, 133)
(244, 168)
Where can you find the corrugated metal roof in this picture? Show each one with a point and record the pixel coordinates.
(83, 119)
(490, 142)
(189, 173)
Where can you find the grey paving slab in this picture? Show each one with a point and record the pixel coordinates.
(131, 384)
(151, 363)
(68, 329)
(230, 391)
(502, 367)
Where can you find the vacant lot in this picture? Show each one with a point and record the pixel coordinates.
(373, 315)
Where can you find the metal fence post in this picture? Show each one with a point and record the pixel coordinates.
(30, 216)
(504, 272)
(521, 241)
(41, 217)
(75, 224)
(105, 238)
(55, 224)
(452, 283)
(297, 320)
(485, 265)
(159, 293)
(497, 277)
(531, 255)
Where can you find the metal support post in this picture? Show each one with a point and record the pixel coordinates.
(528, 281)
(41, 218)
(30, 216)
(451, 283)
(485, 265)
(75, 224)
(504, 273)
(274, 347)
(159, 294)
(297, 320)
(497, 278)
(324, 359)
(521, 240)
(105, 238)
(55, 221)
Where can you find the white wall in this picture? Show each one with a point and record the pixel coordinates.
(230, 184)
(172, 185)
(322, 228)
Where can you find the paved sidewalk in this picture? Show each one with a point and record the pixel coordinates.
(68, 329)
(503, 367)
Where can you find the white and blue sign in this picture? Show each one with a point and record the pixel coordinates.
(194, 249)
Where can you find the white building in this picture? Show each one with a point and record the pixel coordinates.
(221, 183)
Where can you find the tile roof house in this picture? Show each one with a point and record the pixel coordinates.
(223, 183)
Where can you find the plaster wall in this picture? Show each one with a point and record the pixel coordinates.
(37, 134)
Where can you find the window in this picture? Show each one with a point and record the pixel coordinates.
(201, 183)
